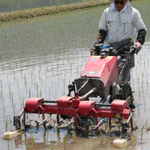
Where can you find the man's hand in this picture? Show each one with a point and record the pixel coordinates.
(138, 46)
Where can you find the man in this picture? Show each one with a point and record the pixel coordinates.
(117, 26)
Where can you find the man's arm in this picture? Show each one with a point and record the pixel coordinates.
(141, 36)
(140, 40)
(103, 26)
(141, 28)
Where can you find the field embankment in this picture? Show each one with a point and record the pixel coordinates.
(49, 10)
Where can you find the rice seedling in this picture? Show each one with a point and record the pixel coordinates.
(141, 132)
(26, 145)
(6, 124)
(101, 136)
(83, 147)
(21, 130)
(133, 139)
(138, 111)
(146, 126)
(92, 126)
(127, 145)
(29, 92)
(8, 139)
(109, 130)
(64, 140)
(52, 147)
(74, 135)
(57, 129)
(33, 140)
(145, 106)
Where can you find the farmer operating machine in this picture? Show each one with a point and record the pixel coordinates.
(98, 94)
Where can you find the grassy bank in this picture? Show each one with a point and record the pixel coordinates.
(49, 10)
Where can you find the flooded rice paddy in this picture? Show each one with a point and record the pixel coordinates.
(39, 57)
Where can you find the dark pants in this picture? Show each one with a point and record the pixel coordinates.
(126, 75)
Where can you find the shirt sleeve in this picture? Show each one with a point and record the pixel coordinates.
(103, 21)
(138, 21)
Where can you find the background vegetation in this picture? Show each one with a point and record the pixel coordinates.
(28, 13)
(13, 5)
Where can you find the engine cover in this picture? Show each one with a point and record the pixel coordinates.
(105, 69)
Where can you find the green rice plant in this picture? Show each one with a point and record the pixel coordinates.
(8, 139)
(52, 147)
(0, 57)
(101, 136)
(92, 126)
(64, 140)
(33, 140)
(119, 126)
(139, 92)
(146, 126)
(9, 89)
(14, 105)
(29, 92)
(133, 139)
(40, 93)
(57, 129)
(109, 130)
(145, 106)
(26, 145)
(94, 147)
(141, 132)
(74, 135)
(112, 147)
(21, 129)
(6, 124)
(138, 111)
(142, 87)
(127, 145)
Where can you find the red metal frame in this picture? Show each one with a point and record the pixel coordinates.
(74, 106)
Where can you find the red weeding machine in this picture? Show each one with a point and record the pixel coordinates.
(98, 94)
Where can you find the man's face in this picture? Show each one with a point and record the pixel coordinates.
(120, 4)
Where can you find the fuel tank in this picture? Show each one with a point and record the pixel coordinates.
(105, 69)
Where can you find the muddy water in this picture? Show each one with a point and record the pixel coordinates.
(39, 57)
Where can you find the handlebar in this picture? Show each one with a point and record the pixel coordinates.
(99, 48)
(132, 50)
